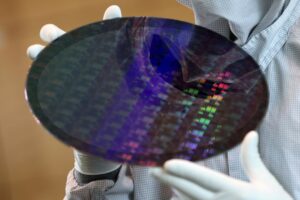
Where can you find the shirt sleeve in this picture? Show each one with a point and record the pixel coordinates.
(100, 189)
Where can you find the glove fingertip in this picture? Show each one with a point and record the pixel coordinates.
(156, 172)
(176, 164)
(113, 11)
(34, 50)
(170, 164)
(250, 141)
(50, 32)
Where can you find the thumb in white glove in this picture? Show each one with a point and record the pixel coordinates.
(198, 182)
(84, 163)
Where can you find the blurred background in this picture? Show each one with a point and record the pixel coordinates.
(34, 165)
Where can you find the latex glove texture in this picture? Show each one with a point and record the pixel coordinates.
(193, 181)
(84, 163)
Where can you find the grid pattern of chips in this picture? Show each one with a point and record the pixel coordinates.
(144, 90)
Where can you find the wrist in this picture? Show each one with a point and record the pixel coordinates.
(92, 165)
(85, 179)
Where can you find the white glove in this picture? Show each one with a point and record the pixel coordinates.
(84, 163)
(193, 181)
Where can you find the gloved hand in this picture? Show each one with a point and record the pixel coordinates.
(84, 163)
(193, 181)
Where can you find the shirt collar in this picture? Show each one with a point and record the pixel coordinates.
(242, 18)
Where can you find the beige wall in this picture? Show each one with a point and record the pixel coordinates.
(33, 165)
